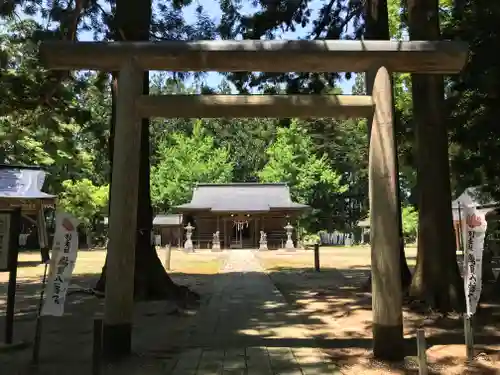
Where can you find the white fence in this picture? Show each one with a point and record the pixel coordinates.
(336, 238)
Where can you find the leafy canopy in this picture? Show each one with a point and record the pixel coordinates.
(84, 200)
(183, 161)
(292, 160)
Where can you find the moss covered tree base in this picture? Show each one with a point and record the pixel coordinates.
(152, 282)
(438, 288)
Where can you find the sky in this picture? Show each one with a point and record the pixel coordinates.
(213, 79)
(212, 8)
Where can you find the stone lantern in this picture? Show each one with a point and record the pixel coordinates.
(289, 242)
(216, 241)
(263, 240)
(188, 245)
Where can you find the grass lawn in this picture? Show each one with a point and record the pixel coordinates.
(91, 262)
(355, 257)
(201, 262)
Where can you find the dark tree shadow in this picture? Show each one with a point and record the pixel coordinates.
(230, 317)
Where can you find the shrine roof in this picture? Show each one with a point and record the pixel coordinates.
(22, 182)
(241, 197)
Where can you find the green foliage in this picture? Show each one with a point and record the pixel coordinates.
(292, 160)
(46, 125)
(345, 144)
(84, 200)
(310, 239)
(184, 161)
(410, 223)
(61, 121)
(473, 104)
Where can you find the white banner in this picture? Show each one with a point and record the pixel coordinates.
(4, 241)
(473, 231)
(62, 263)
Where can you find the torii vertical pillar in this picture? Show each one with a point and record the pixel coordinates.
(386, 276)
(119, 302)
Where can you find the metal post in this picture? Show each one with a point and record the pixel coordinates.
(460, 239)
(421, 350)
(38, 327)
(15, 221)
(316, 257)
(469, 338)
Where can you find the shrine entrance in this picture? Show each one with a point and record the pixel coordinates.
(378, 58)
(243, 232)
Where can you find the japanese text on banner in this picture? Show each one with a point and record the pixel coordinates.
(474, 232)
(62, 263)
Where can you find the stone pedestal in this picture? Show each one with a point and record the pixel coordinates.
(263, 241)
(188, 244)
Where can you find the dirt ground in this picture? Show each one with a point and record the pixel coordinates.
(67, 340)
(334, 297)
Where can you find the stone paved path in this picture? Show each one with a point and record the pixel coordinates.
(248, 328)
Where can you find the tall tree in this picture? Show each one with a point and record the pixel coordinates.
(185, 160)
(292, 159)
(132, 22)
(85, 201)
(436, 279)
(59, 134)
(344, 142)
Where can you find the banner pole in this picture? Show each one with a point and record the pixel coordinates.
(38, 327)
(13, 254)
(460, 239)
(469, 338)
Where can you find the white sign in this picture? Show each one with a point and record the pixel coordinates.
(474, 231)
(62, 263)
(4, 241)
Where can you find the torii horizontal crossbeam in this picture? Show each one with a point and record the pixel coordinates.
(438, 57)
(239, 106)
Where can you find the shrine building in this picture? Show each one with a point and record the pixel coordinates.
(239, 211)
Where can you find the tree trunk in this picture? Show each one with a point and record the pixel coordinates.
(377, 28)
(436, 280)
(151, 282)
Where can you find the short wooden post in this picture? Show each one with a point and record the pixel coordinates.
(421, 350)
(97, 347)
(385, 253)
(168, 256)
(119, 302)
(316, 257)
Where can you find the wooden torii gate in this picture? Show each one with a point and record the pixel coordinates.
(131, 59)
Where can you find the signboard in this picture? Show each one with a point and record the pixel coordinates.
(474, 232)
(4, 240)
(64, 254)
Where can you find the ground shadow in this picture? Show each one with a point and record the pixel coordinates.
(339, 293)
(230, 317)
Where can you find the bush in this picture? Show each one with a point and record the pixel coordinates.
(311, 239)
(410, 224)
